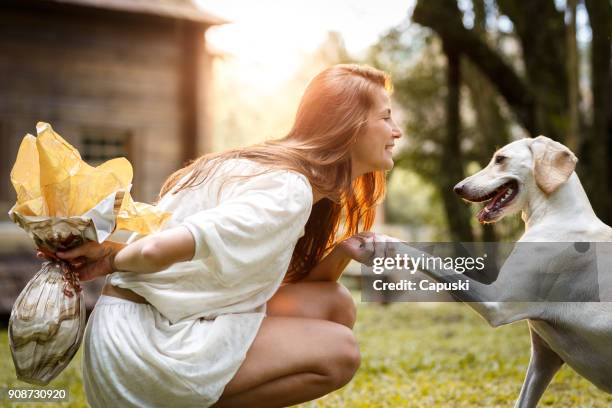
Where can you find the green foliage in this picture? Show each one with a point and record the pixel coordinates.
(419, 90)
(412, 56)
(415, 204)
(413, 354)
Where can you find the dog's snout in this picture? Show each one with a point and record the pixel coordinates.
(458, 189)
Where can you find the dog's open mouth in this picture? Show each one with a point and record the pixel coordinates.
(496, 201)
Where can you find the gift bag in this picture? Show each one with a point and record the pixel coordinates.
(62, 202)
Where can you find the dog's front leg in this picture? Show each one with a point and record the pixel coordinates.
(480, 299)
(543, 365)
(495, 302)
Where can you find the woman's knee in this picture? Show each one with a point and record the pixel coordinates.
(342, 309)
(346, 359)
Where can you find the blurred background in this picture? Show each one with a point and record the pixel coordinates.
(164, 81)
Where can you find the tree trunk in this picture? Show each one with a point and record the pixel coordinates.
(572, 137)
(540, 29)
(451, 165)
(599, 142)
(492, 126)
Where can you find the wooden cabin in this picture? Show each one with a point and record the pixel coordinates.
(115, 78)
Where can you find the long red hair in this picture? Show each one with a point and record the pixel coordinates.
(332, 113)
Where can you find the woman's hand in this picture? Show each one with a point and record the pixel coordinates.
(90, 260)
(362, 247)
(366, 246)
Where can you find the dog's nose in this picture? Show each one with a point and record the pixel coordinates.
(458, 189)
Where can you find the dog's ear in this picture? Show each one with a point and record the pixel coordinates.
(553, 163)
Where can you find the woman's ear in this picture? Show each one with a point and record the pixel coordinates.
(553, 163)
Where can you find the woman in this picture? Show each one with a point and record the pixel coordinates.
(236, 301)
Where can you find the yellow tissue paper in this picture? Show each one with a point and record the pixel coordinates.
(51, 180)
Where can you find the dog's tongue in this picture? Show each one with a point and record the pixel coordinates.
(485, 215)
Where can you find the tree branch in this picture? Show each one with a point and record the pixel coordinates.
(444, 18)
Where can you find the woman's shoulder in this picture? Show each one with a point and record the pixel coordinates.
(238, 166)
(276, 180)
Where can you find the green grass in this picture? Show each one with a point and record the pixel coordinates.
(414, 355)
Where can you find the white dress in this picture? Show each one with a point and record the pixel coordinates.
(183, 348)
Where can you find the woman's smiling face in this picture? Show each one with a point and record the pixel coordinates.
(373, 149)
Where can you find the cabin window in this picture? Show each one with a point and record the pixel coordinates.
(101, 144)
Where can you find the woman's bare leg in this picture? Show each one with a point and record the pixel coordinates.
(293, 360)
(316, 300)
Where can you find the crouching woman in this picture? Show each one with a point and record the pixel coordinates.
(236, 301)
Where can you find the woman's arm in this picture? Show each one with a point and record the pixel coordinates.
(152, 253)
(360, 247)
(331, 267)
(156, 252)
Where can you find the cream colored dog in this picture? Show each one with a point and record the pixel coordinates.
(536, 176)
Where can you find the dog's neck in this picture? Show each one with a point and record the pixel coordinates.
(568, 202)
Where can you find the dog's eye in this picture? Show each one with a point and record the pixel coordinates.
(499, 159)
